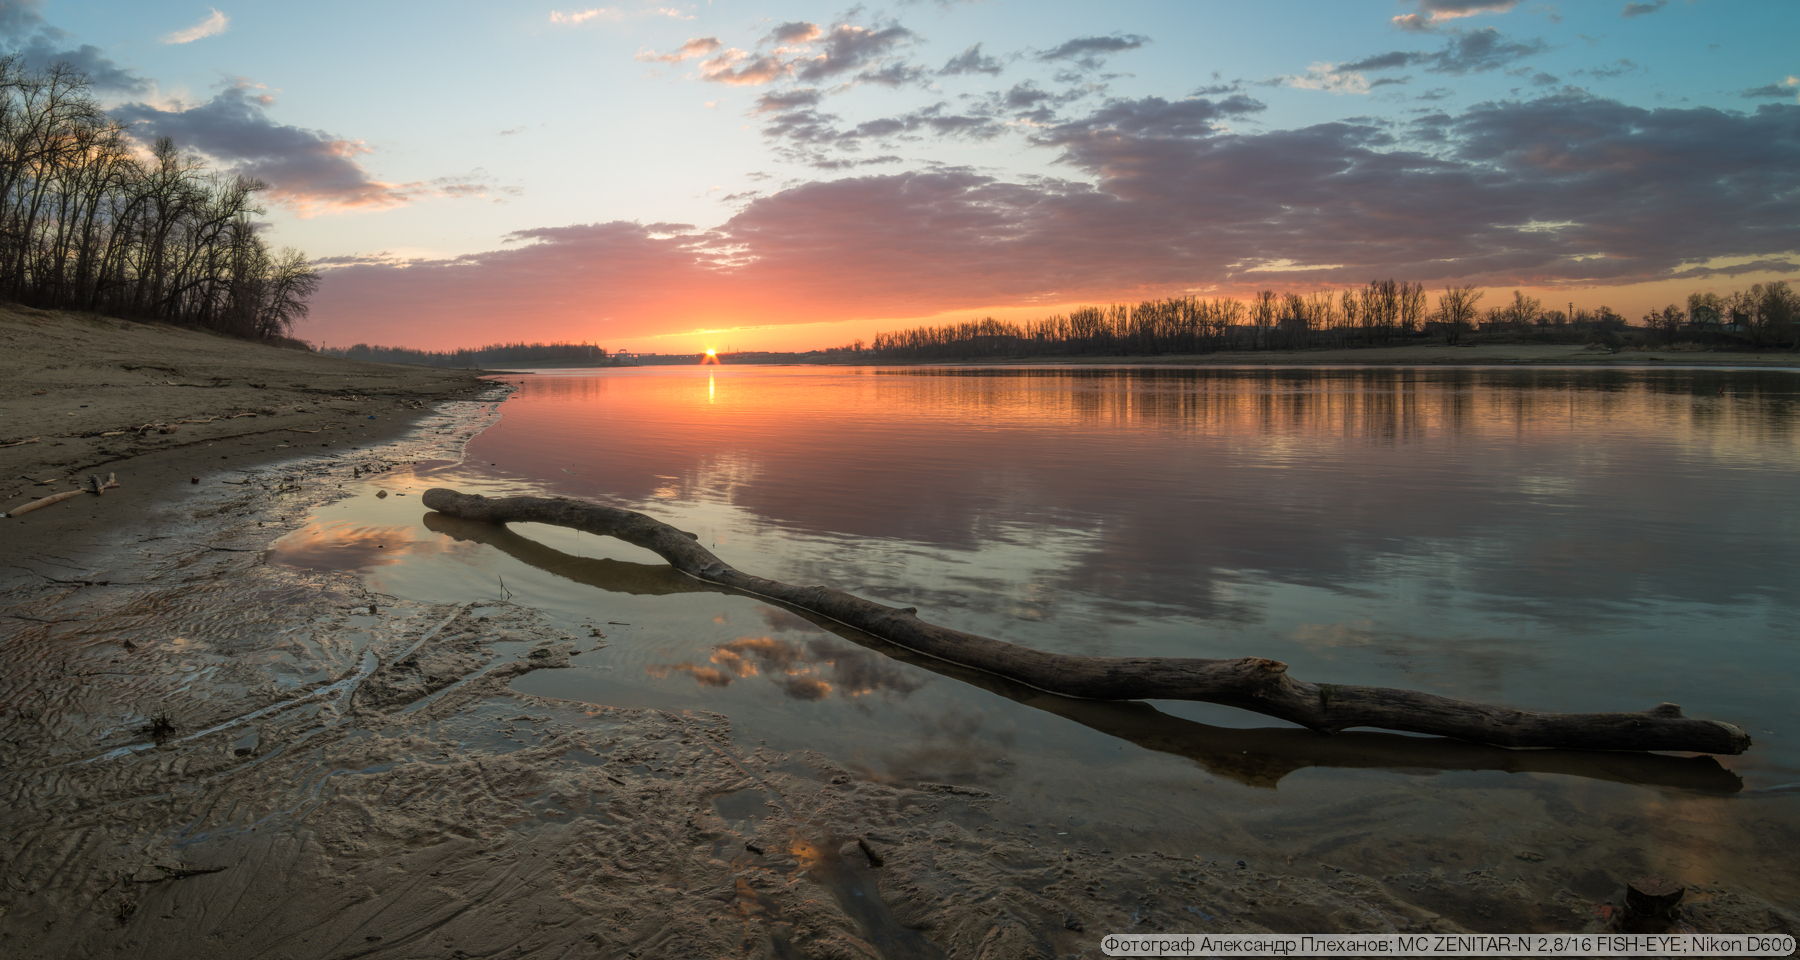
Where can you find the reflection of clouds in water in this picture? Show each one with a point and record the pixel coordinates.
(784, 621)
(353, 546)
(1351, 633)
(813, 669)
(956, 744)
(1451, 662)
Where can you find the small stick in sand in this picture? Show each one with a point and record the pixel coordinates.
(111, 482)
(20, 443)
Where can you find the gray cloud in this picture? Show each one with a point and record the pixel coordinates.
(1473, 51)
(893, 75)
(43, 51)
(1771, 90)
(1090, 52)
(806, 134)
(971, 60)
(40, 46)
(787, 100)
(1617, 68)
(796, 31)
(309, 169)
(1640, 9)
(1153, 118)
(848, 48)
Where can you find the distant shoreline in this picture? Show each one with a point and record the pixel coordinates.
(1499, 354)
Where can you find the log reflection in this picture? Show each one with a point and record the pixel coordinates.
(1258, 757)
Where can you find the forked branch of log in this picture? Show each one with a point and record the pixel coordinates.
(94, 487)
(1252, 683)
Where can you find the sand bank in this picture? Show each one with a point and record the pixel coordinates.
(160, 405)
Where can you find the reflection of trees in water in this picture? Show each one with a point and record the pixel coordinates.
(1562, 494)
(1380, 404)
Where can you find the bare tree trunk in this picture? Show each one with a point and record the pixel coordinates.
(1252, 683)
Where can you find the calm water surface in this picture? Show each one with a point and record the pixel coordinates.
(1561, 539)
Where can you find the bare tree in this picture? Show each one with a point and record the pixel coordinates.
(1456, 311)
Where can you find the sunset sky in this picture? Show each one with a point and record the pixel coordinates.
(673, 176)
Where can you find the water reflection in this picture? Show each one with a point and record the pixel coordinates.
(955, 744)
(1567, 495)
(349, 545)
(809, 669)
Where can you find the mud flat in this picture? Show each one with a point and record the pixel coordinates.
(208, 755)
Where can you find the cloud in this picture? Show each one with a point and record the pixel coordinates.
(796, 31)
(1787, 88)
(20, 17)
(1481, 50)
(787, 100)
(211, 25)
(695, 47)
(1433, 12)
(1160, 195)
(42, 52)
(804, 51)
(1327, 77)
(614, 15)
(40, 46)
(1641, 9)
(970, 61)
(737, 68)
(805, 134)
(848, 47)
(1473, 51)
(1153, 118)
(1617, 68)
(309, 170)
(1090, 52)
(893, 75)
(1737, 269)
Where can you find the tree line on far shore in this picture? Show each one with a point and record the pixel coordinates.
(90, 220)
(493, 355)
(1381, 313)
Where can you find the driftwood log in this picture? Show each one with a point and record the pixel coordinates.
(1251, 683)
(1257, 757)
(95, 487)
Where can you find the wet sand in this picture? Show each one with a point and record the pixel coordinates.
(209, 755)
(160, 406)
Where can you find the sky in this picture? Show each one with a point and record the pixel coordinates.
(672, 176)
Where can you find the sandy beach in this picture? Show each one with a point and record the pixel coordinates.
(208, 755)
(161, 405)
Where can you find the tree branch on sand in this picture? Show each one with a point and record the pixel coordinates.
(1252, 683)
